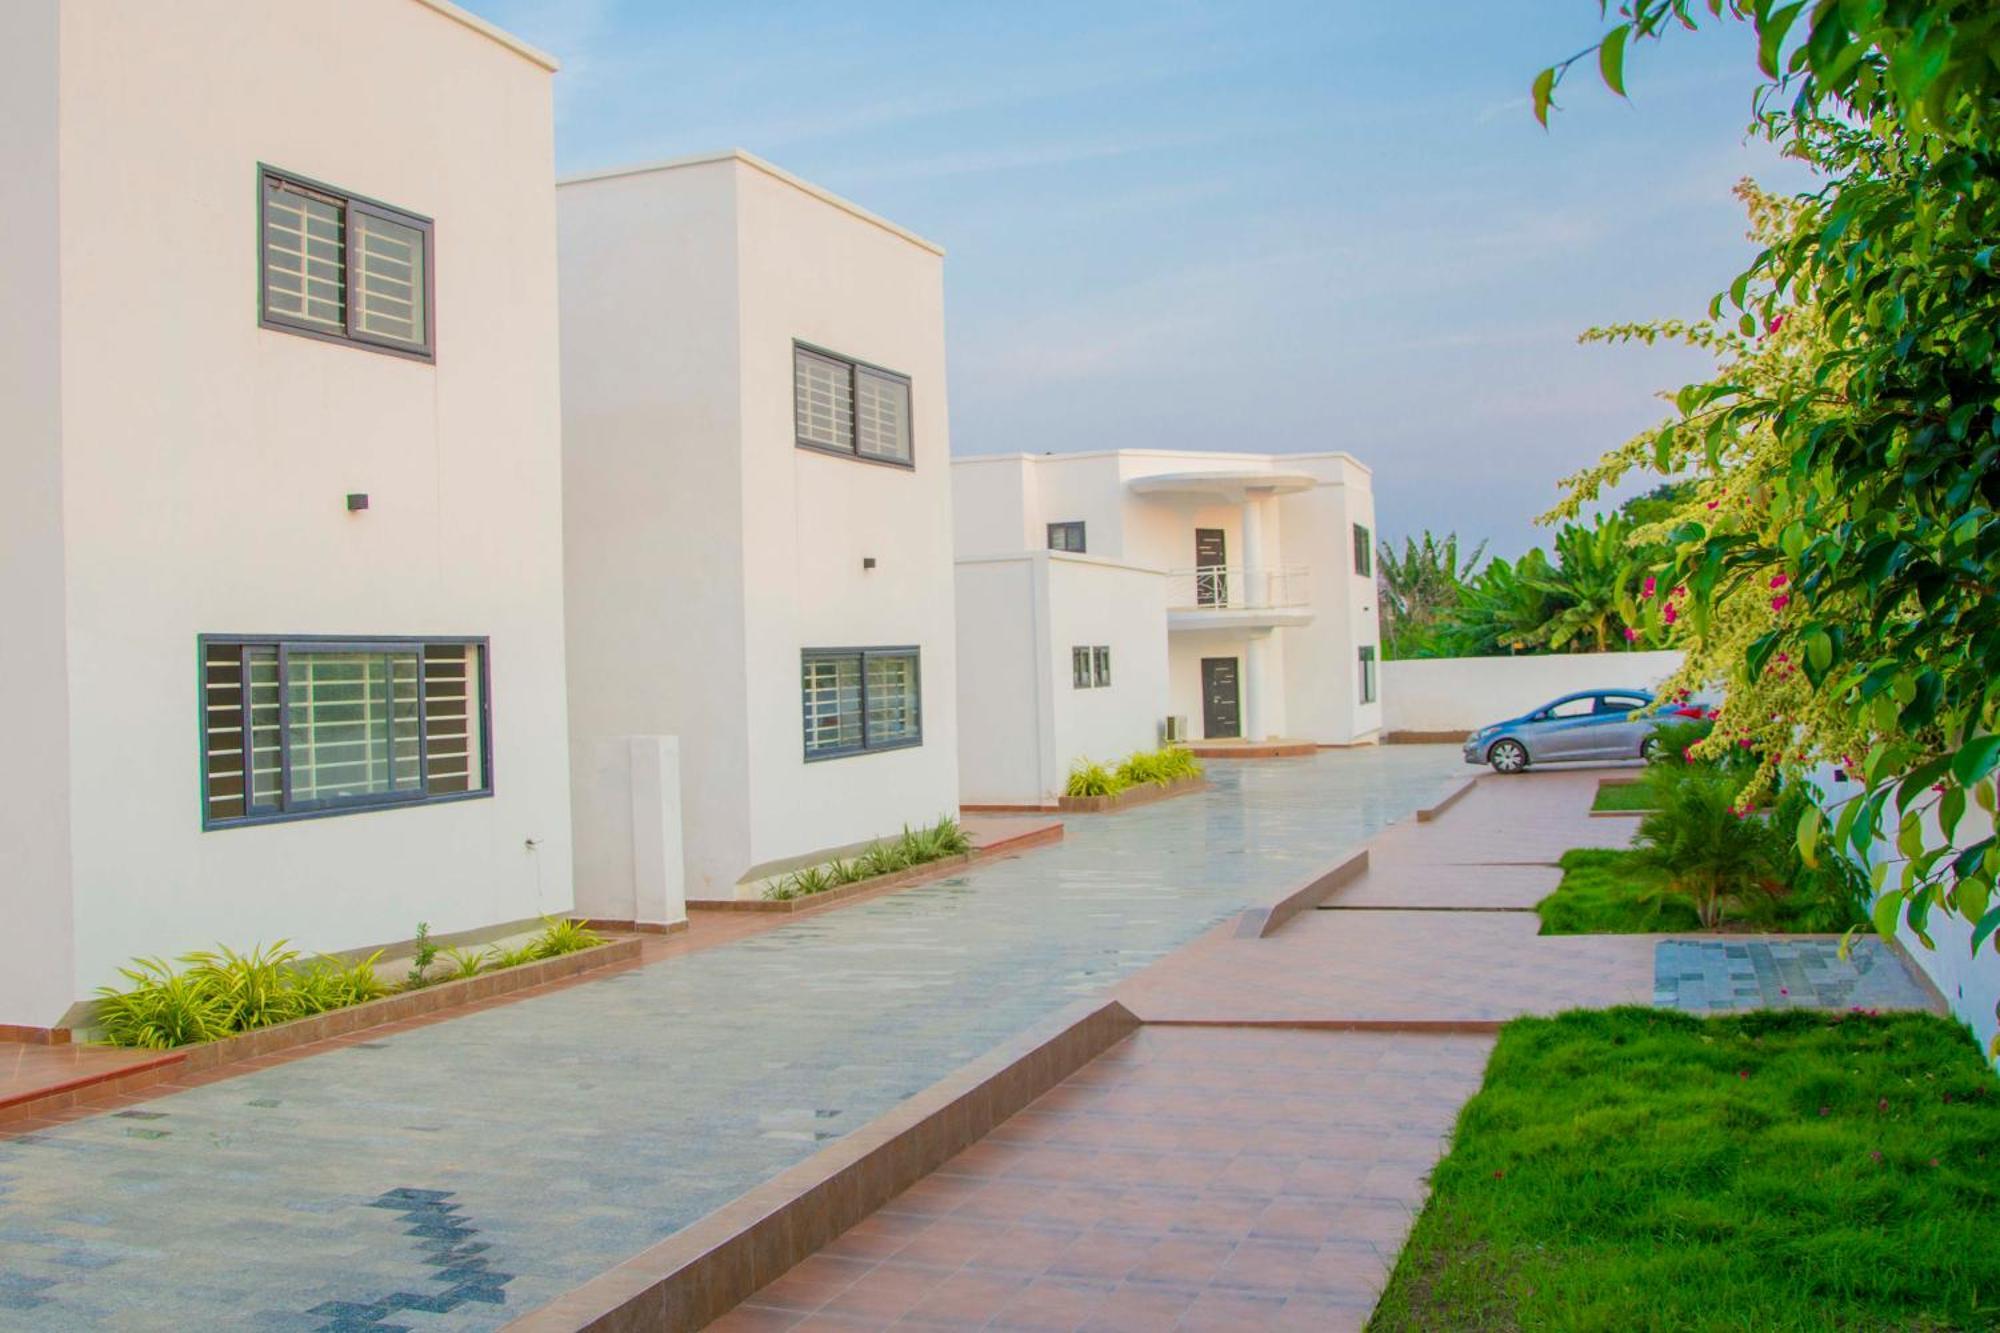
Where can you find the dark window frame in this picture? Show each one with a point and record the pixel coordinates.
(854, 368)
(284, 644)
(1080, 676)
(912, 651)
(350, 203)
(1100, 666)
(1368, 663)
(1364, 552)
(1074, 525)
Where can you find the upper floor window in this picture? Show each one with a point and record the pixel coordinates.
(1066, 536)
(1090, 667)
(845, 407)
(1364, 551)
(297, 727)
(337, 266)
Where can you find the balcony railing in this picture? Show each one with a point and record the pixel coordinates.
(1234, 588)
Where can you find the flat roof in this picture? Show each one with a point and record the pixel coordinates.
(1218, 454)
(755, 163)
(495, 33)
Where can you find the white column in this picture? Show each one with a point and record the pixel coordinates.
(1253, 686)
(1254, 592)
(659, 894)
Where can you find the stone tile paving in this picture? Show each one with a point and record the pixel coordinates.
(1706, 976)
(1201, 1179)
(450, 1176)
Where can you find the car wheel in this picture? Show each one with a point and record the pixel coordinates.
(1507, 756)
(1651, 749)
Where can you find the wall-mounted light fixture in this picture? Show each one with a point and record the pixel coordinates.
(868, 562)
(357, 501)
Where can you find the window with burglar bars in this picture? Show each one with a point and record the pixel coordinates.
(861, 699)
(1364, 551)
(1066, 536)
(337, 266)
(298, 727)
(845, 407)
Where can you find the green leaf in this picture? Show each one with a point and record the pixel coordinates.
(1975, 759)
(1809, 824)
(1611, 59)
(1542, 92)
(1771, 36)
(1951, 809)
(1887, 908)
(1984, 930)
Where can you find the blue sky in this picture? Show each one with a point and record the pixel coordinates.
(1244, 226)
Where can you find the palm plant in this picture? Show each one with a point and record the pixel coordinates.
(1710, 854)
(1418, 586)
(1592, 583)
(1500, 612)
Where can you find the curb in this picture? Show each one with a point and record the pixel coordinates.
(1260, 922)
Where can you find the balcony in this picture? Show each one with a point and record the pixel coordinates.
(1238, 597)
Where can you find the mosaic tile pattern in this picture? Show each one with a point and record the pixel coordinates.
(580, 1126)
(1708, 976)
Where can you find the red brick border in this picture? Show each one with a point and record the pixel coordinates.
(1143, 794)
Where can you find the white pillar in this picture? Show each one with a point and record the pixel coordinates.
(659, 890)
(1253, 686)
(1254, 592)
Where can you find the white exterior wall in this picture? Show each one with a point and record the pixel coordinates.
(1322, 671)
(205, 460)
(1018, 619)
(39, 979)
(654, 514)
(707, 550)
(1445, 694)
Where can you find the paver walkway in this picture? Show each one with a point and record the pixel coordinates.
(1243, 1162)
(449, 1175)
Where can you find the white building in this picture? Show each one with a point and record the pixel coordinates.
(758, 529)
(278, 401)
(1100, 594)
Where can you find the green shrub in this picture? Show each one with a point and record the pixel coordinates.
(255, 989)
(1709, 852)
(1145, 768)
(163, 1008)
(327, 983)
(464, 963)
(1832, 896)
(803, 883)
(561, 935)
(1676, 739)
(882, 858)
(1089, 778)
(847, 872)
(935, 842)
(426, 953)
(497, 958)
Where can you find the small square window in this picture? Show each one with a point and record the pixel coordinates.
(1066, 536)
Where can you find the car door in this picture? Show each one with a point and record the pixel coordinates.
(1562, 729)
(1618, 734)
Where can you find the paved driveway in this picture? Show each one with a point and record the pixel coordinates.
(452, 1176)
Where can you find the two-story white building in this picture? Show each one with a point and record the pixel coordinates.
(1108, 600)
(758, 519)
(279, 435)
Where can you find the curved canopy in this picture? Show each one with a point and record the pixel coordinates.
(1231, 487)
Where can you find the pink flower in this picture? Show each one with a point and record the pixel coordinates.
(1776, 322)
(1631, 635)
(1743, 1073)
(1681, 591)
(1670, 615)
(1713, 503)
(1875, 1156)
(1781, 601)
(1745, 742)
(1882, 1105)
(1646, 588)
(1687, 754)
(1778, 580)
(1783, 991)
(1826, 1110)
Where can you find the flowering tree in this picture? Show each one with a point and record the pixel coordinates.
(1840, 572)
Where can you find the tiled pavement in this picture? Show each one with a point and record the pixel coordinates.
(549, 1138)
(1194, 1179)
(1707, 975)
(1242, 1164)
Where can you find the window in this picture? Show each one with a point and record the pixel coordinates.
(311, 726)
(1368, 673)
(1066, 536)
(1101, 657)
(338, 266)
(1090, 668)
(845, 407)
(1079, 668)
(1583, 707)
(1621, 705)
(860, 699)
(1364, 551)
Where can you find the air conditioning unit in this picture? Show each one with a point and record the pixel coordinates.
(1173, 731)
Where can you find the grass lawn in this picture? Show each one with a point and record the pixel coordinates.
(1642, 1169)
(1624, 797)
(1604, 892)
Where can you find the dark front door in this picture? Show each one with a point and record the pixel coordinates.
(1220, 701)
(1211, 585)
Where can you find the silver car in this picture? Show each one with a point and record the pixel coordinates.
(1592, 724)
